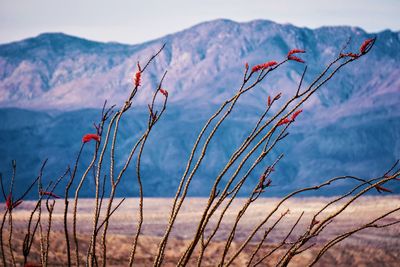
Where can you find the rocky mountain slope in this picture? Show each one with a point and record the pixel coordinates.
(51, 87)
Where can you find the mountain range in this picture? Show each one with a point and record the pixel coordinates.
(52, 88)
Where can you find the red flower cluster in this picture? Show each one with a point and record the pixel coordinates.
(164, 92)
(290, 55)
(9, 203)
(349, 55)
(363, 49)
(275, 98)
(263, 66)
(291, 119)
(88, 137)
(295, 114)
(284, 121)
(294, 58)
(295, 51)
(366, 44)
(46, 193)
(138, 76)
(381, 189)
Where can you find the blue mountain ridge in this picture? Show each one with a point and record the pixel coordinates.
(52, 86)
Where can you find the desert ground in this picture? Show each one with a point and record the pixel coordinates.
(370, 247)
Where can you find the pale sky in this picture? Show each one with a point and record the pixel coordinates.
(131, 21)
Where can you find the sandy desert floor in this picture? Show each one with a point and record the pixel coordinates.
(371, 247)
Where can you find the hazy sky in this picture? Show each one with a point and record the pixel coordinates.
(131, 21)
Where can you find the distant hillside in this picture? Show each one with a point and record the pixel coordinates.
(51, 87)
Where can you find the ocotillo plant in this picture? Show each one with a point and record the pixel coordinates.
(270, 129)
